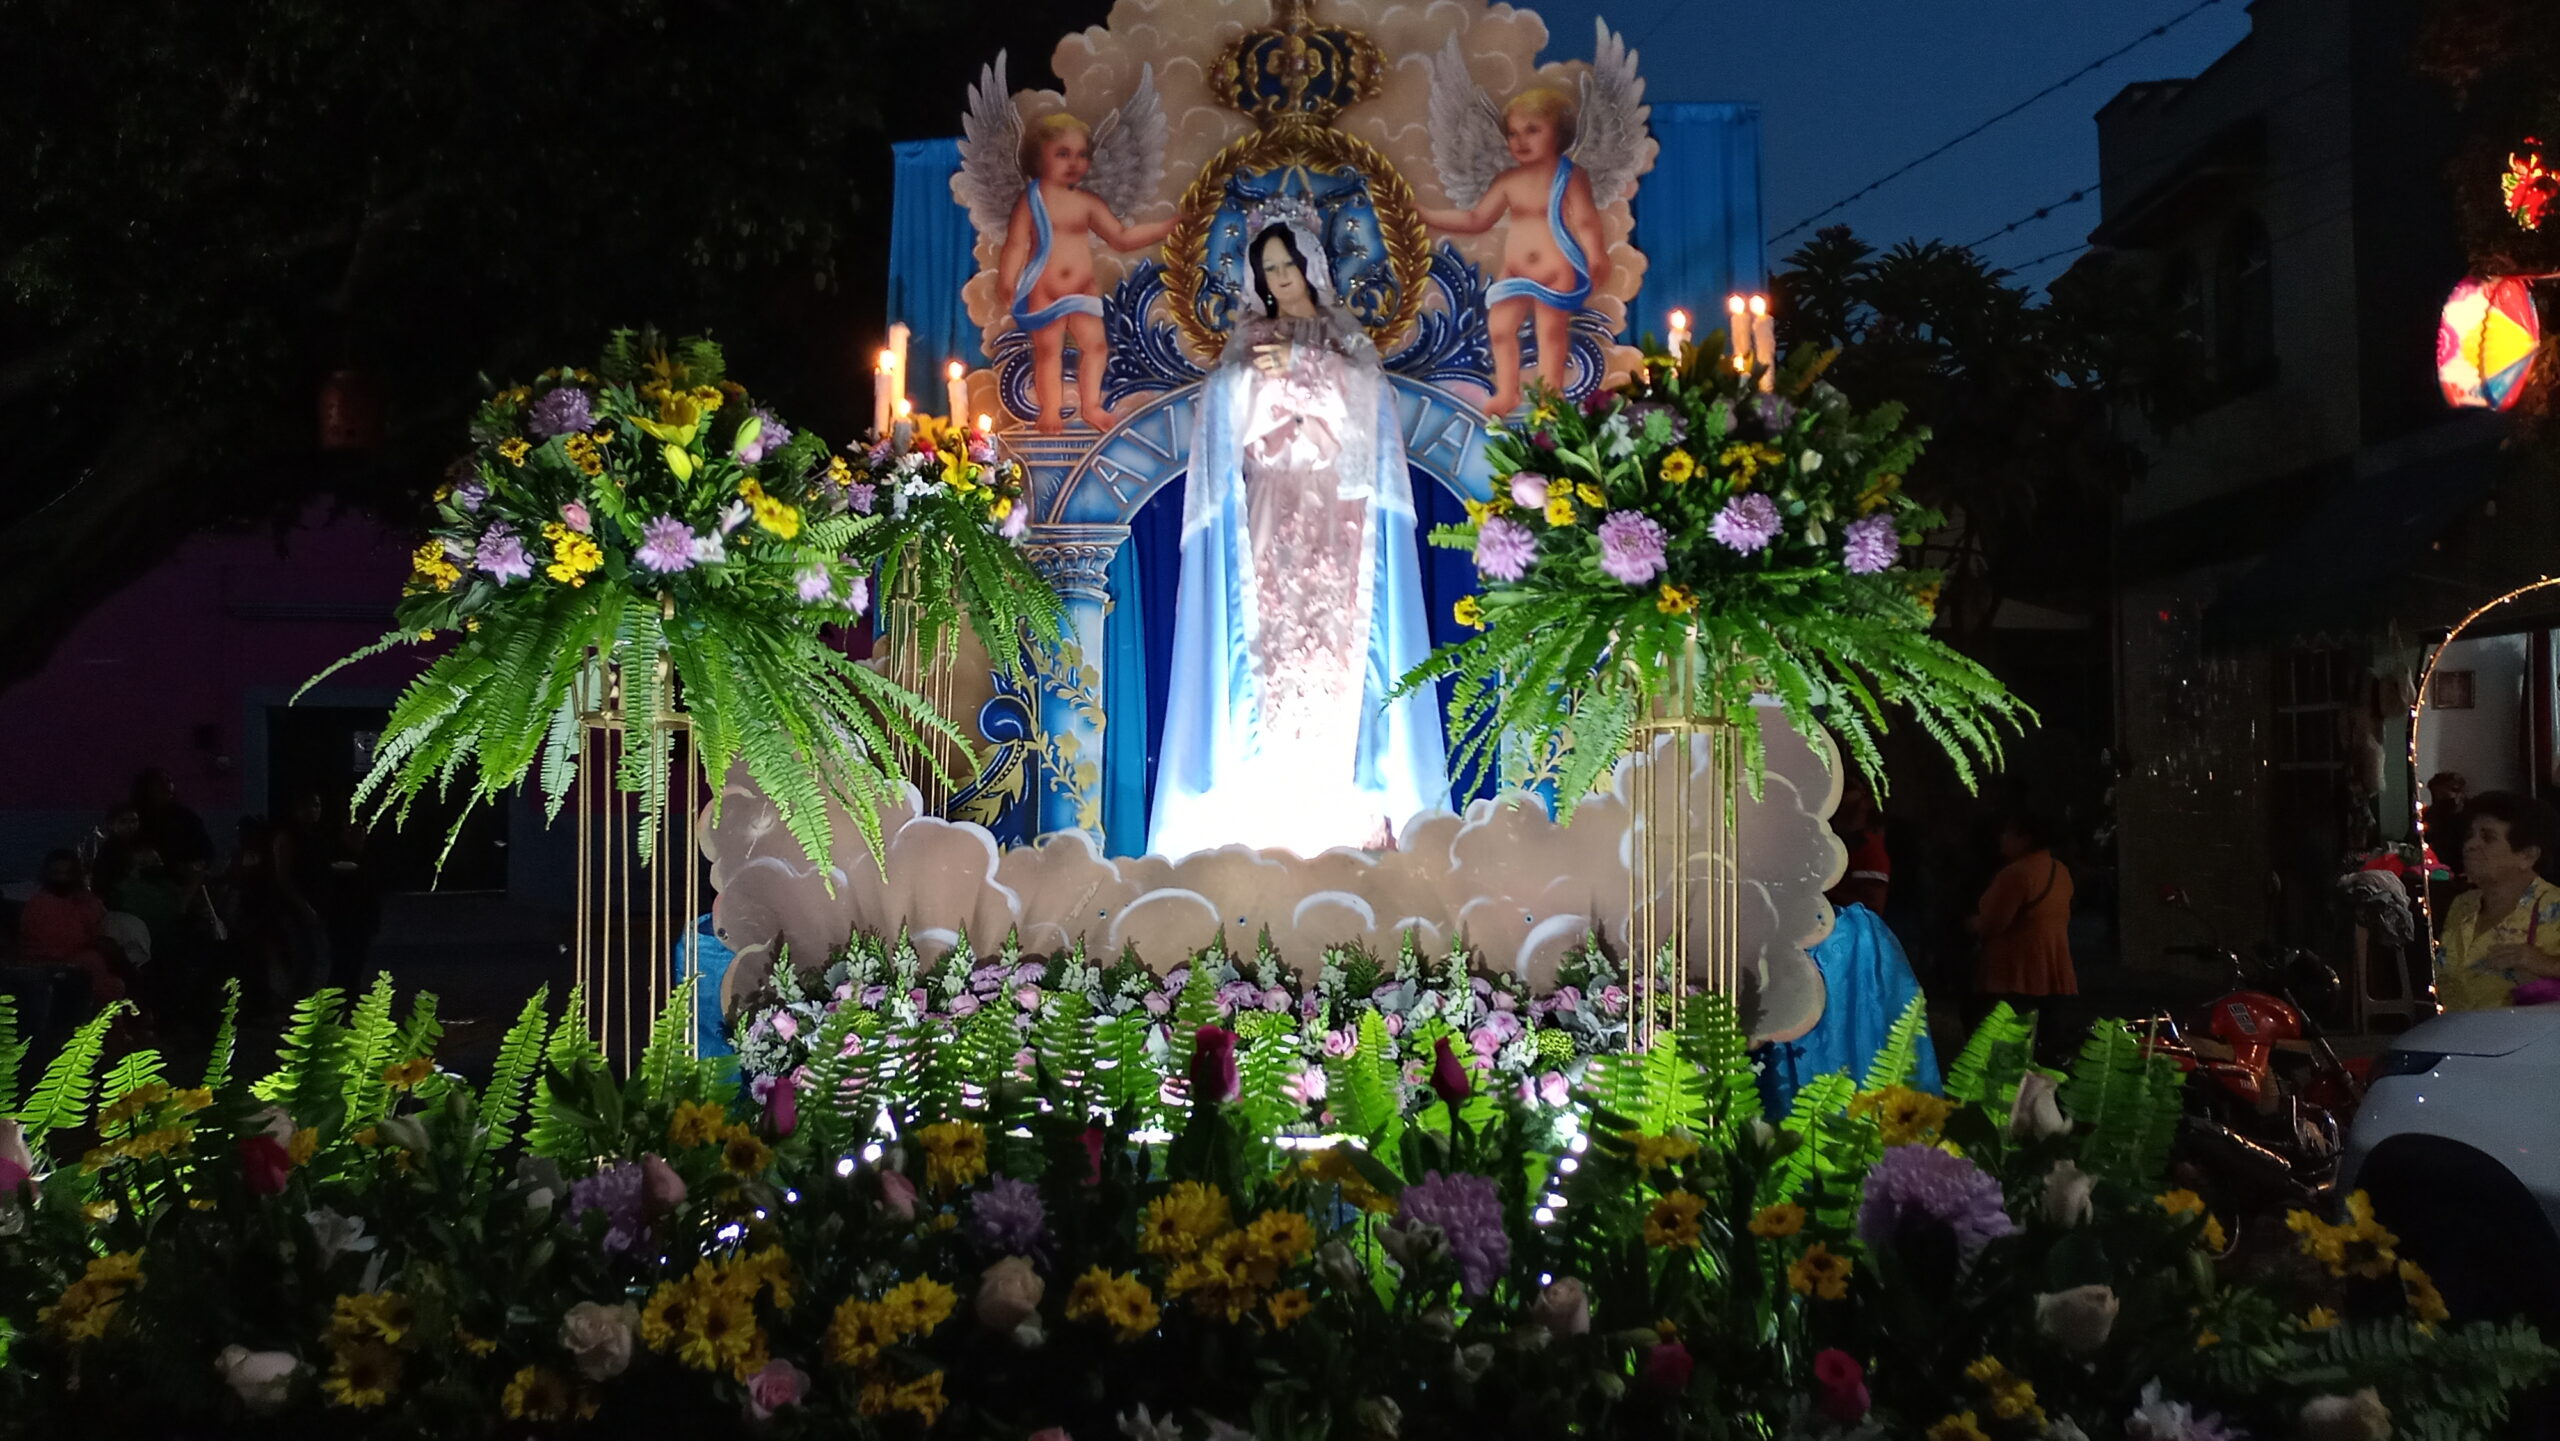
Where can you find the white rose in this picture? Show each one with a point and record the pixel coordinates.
(1009, 1294)
(2078, 1320)
(263, 1380)
(2069, 1195)
(2361, 1417)
(598, 1338)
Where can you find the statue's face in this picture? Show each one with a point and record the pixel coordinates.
(1532, 134)
(1066, 158)
(1286, 282)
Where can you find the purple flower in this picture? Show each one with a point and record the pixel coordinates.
(1016, 523)
(574, 515)
(1871, 544)
(1468, 1210)
(861, 496)
(471, 495)
(1642, 413)
(666, 546)
(1924, 1184)
(561, 411)
(816, 585)
(858, 598)
(982, 447)
(1504, 548)
(882, 451)
(1747, 523)
(710, 549)
(615, 1192)
(501, 554)
(1008, 1217)
(1775, 412)
(774, 436)
(1631, 546)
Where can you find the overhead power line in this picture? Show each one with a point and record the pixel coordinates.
(2041, 212)
(2154, 33)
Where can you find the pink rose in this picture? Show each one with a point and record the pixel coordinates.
(1554, 1089)
(783, 1109)
(574, 514)
(1844, 1386)
(897, 1195)
(1564, 1308)
(661, 1189)
(263, 1380)
(1529, 490)
(1027, 997)
(1449, 1079)
(778, 1385)
(1052, 1433)
(1092, 1155)
(1667, 1368)
(786, 1025)
(1009, 1294)
(265, 1163)
(1213, 1064)
(17, 1159)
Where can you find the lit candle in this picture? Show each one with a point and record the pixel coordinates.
(957, 375)
(1764, 340)
(1679, 335)
(903, 433)
(1737, 329)
(882, 400)
(986, 423)
(898, 335)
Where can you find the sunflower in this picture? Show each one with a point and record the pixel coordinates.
(540, 1394)
(955, 1153)
(695, 1123)
(1675, 599)
(1958, 1426)
(1559, 511)
(362, 1375)
(402, 1075)
(1679, 467)
(1287, 1306)
(918, 1306)
(717, 1332)
(1674, 1222)
(859, 1333)
(1905, 1116)
(1776, 1223)
(1818, 1272)
(1285, 1236)
(1185, 1218)
(1655, 1152)
(1468, 612)
(743, 1154)
(2425, 1301)
(923, 1396)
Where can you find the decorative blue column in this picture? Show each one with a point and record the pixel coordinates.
(1076, 559)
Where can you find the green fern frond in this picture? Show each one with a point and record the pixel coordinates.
(2130, 1101)
(1998, 1050)
(13, 1052)
(311, 1061)
(502, 1102)
(1895, 1061)
(60, 1099)
(138, 1069)
(226, 1039)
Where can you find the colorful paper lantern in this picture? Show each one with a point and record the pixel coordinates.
(2486, 341)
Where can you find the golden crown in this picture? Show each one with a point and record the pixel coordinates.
(1296, 71)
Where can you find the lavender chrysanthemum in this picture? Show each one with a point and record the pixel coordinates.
(1631, 546)
(616, 1193)
(772, 437)
(816, 585)
(861, 496)
(500, 554)
(564, 410)
(666, 546)
(1468, 1210)
(1747, 523)
(1775, 412)
(1923, 1183)
(471, 495)
(1008, 1217)
(1504, 548)
(1870, 544)
(858, 598)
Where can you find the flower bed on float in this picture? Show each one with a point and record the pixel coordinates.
(360, 1244)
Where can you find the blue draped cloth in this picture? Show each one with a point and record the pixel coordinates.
(930, 258)
(1871, 985)
(1698, 216)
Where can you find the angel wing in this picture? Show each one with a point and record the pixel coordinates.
(1128, 150)
(1612, 145)
(990, 177)
(1467, 146)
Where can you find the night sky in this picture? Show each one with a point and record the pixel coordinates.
(1850, 89)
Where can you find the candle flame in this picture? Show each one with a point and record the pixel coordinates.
(906, 407)
(955, 370)
(986, 422)
(1733, 304)
(1759, 305)
(1679, 320)
(888, 361)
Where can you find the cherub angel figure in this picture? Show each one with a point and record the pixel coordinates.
(1052, 187)
(1549, 163)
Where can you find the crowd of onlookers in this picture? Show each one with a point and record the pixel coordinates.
(146, 908)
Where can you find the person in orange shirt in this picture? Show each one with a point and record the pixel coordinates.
(2023, 923)
(65, 924)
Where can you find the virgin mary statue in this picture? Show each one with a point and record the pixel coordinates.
(1301, 597)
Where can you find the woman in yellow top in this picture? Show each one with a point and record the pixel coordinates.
(2507, 929)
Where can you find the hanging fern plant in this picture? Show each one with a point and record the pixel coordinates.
(644, 538)
(1695, 542)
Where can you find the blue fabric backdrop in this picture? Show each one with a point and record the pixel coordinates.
(929, 260)
(1698, 216)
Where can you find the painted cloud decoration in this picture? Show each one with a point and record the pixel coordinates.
(1517, 888)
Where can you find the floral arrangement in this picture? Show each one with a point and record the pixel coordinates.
(1391, 1015)
(363, 1244)
(648, 530)
(1690, 542)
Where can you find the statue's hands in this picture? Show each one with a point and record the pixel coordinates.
(1272, 357)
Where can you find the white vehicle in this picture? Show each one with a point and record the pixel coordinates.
(2458, 1144)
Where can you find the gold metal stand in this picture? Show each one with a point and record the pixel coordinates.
(632, 912)
(1695, 932)
(934, 765)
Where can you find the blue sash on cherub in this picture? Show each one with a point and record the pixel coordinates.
(1511, 286)
(1065, 305)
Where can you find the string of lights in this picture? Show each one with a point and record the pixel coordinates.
(2154, 33)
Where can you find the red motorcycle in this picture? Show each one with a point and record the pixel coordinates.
(2267, 1096)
